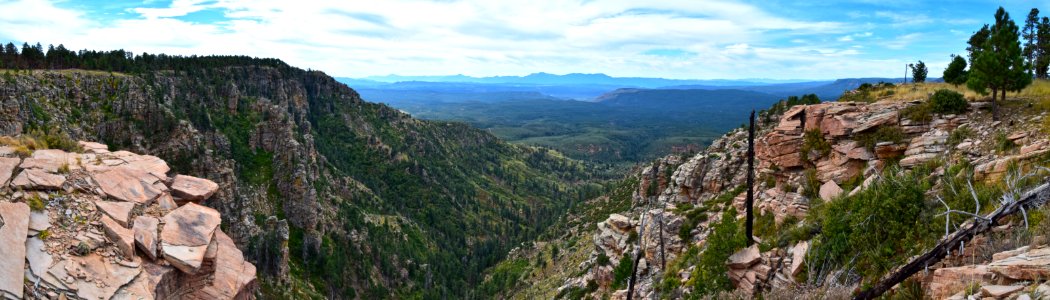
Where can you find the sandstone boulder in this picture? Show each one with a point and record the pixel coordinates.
(947, 281)
(187, 233)
(129, 184)
(189, 188)
(234, 278)
(745, 258)
(620, 222)
(1031, 265)
(798, 256)
(119, 211)
(38, 179)
(829, 190)
(7, 169)
(120, 236)
(13, 231)
(145, 230)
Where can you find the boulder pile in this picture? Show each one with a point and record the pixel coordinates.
(95, 224)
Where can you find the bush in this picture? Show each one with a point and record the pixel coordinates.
(922, 112)
(813, 141)
(946, 101)
(810, 184)
(1003, 143)
(726, 238)
(959, 135)
(878, 228)
(622, 272)
(883, 134)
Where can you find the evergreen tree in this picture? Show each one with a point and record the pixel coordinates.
(1042, 61)
(918, 72)
(999, 65)
(955, 74)
(1030, 35)
(976, 42)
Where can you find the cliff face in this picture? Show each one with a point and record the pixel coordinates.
(805, 154)
(357, 198)
(96, 224)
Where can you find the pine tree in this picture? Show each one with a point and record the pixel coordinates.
(918, 72)
(999, 65)
(1030, 35)
(977, 41)
(1042, 61)
(955, 74)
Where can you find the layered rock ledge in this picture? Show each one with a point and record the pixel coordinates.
(95, 224)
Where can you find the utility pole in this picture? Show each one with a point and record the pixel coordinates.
(906, 68)
(750, 178)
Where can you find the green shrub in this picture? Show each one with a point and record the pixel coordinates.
(946, 101)
(959, 135)
(882, 134)
(922, 112)
(1003, 143)
(810, 184)
(709, 276)
(813, 141)
(622, 272)
(878, 228)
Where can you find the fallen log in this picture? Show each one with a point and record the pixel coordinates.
(1037, 195)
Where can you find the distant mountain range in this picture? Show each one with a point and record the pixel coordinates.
(574, 79)
(576, 86)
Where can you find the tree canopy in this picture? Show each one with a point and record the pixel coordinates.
(998, 63)
(918, 72)
(956, 72)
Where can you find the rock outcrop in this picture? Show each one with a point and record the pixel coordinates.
(100, 233)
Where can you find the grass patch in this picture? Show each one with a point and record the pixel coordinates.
(813, 142)
(35, 203)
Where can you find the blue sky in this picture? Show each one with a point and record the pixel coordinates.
(700, 39)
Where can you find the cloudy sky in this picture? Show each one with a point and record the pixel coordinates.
(702, 39)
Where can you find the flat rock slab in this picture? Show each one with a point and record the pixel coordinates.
(187, 233)
(1031, 265)
(93, 147)
(129, 184)
(745, 258)
(191, 188)
(145, 230)
(119, 211)
(1000, 291)
(7, 169)
(119, 235)
(15, 219)
(51, 160)
(101, 279)
(39, 221)
(38, 179)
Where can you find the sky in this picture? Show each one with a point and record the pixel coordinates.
(688, 39)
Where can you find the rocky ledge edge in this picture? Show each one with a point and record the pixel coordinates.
(96, 224)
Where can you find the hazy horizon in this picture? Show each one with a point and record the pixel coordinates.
(663, 39)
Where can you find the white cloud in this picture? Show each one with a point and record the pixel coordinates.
(474, 37)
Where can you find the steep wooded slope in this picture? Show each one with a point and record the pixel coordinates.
(327, 194)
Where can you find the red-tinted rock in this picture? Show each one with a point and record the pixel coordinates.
(189, 188)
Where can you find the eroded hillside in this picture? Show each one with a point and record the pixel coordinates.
(845, 192)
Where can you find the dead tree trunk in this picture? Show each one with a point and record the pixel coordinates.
(1039, 194)
(750, 178)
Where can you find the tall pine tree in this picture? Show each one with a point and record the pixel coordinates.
(999, 65)
(1042, 61)
(1030, 35)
